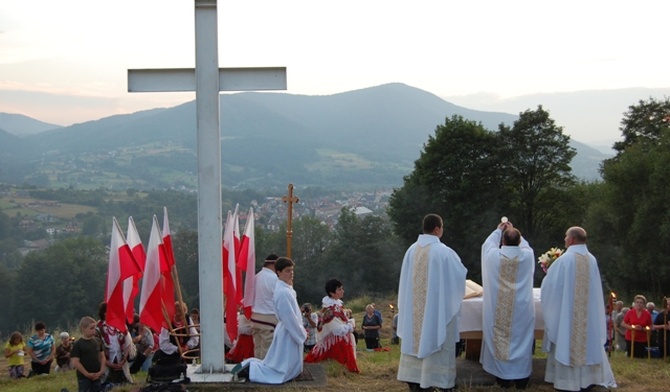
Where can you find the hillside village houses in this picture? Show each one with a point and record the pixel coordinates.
(270, 214)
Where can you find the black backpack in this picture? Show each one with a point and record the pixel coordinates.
(167, 369)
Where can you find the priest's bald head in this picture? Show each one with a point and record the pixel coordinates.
(575, 236)
(511, 237)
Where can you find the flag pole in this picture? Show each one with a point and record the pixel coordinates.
(648, 342)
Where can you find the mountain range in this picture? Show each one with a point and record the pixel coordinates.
(362, 138)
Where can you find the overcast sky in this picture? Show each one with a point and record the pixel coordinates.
(66, 61)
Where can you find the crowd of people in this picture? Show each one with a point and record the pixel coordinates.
(280, 335)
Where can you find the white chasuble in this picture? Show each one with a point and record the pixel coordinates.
(574, 322)
(430, 293)
(508, 317)
(502, 327)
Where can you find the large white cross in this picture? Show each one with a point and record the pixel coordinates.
(207, 80)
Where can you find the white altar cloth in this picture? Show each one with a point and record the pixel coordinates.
(470, 325)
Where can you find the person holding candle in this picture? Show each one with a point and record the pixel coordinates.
(575, 331)
(662, 327)
(638, 324)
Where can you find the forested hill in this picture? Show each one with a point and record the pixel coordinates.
(367, 137)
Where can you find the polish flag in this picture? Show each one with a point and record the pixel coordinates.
(166, 270)
(231, 283)
(122, 266)
(246, 261)
(131, 286)
(151, 301)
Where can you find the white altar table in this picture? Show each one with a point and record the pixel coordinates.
(470, 325)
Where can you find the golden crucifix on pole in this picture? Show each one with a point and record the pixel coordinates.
(290, 199)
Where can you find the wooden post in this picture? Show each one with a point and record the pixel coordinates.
(665, 329)
(632, 340)
(648, 342)
(290, 199)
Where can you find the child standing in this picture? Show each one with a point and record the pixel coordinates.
(14, 354)
(88, 357)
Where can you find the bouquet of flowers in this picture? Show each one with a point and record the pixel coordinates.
(548, 258)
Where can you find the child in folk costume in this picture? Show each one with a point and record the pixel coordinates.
(334, 336)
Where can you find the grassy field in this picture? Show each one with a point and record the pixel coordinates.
(29, 207)
(378, 371)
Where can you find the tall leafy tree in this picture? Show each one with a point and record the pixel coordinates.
(185, 246)
(458, 176)
(644, 123)
(637, 194)
(8, 293)
(62, 283)
(535, 158)
(366, 256)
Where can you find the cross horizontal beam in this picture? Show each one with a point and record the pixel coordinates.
(183, 79)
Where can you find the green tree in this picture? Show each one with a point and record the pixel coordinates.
(62, 283)
(311, 239)
(10, 256)
(365, 256)
(636, 196)
(185, 247)
(535, 158)
(644, 123)
(8, 294)
(458, 176)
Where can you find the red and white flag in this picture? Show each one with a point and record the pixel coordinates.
(151, 296)
(246, 261)
(131, 286)
(232, 278)
(168, 282)
(122, 266)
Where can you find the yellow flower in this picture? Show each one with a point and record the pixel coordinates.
(548, 257)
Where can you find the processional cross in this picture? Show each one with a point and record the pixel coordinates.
(290, 199)
(207, 80)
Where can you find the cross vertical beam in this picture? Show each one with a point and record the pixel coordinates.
(290, 199)
(210, 250)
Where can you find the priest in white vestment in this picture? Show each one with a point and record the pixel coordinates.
(432, 284)
(575, 330)
(508, 311)
(283, 361)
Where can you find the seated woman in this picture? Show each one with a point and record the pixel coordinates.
(63, 352)
(283, 362)
(334, 335)
(171, 347)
